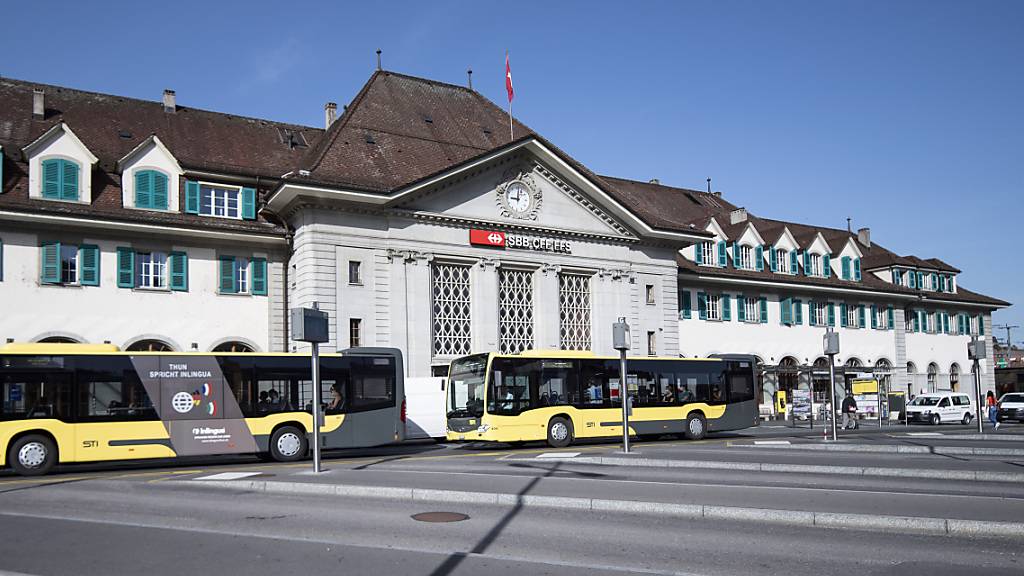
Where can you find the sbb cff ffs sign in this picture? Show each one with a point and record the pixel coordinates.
(486, 238)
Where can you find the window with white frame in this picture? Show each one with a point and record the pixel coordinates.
(746, 257)
(714, 306)
(242, 275)
(881, 318)
(782, 261)
(68, 264)
(851, 316)
(751, 310)
(219, 201)
(929, 321)
(151, 270)
(815, 260)
(708, 257)
(652, 343)
(819, 313)
(974, 325)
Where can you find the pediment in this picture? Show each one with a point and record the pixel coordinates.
(750, 237)
(519, 191)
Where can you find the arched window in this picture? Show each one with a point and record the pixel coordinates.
(911, 368)
(933, 376)
(60, 179)
(854, 363)
(59, 340)
(233, 347)
(150, 189)
(954, 377)
(149, 346)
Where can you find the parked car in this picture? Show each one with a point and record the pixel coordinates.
(939, 407)
(1011, 407)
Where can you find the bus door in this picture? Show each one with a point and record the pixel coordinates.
(600, 398)
(117, 419)
(45, 396)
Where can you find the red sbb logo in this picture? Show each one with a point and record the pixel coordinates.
(487, 238)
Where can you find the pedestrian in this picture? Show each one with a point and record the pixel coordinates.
(849, 407)
(993, 410)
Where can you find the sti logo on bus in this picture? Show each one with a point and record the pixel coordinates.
(487, 238)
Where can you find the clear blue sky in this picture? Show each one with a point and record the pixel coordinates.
(904, 116)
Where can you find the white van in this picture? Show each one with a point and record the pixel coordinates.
(939, 407)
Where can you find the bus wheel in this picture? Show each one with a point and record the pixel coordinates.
(559, 432)
(696, 426)
(288, 444)
(32, 455)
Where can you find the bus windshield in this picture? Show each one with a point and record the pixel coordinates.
(466, 387)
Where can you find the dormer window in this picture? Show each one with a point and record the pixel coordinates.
(60, 179)
(782, 261)
(897, 276)
(746, 258)
(220, 200)
(815, 265)
(705, 254)
(151, 189)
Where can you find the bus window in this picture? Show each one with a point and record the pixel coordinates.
(595, 383)
(372, 383)
(35, 396)
(693, 387)
(110, 389)
(277, 384)
(644, 384)
(237, 372)
(511, 385)
(557, 383)
(741, 381)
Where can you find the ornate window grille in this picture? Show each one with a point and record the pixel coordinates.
(515, 311)
(574, 311)
(452, 332)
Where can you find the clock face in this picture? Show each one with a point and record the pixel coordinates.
(518, 197)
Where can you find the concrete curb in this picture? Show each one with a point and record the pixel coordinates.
(838, 520)
(892, 449)
(971, 475)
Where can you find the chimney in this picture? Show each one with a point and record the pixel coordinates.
(330, 114)
(38, 104)
(169, 106)
(654, 181)
(864, 237)
(738, 215)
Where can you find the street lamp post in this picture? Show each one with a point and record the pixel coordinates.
(311, 325)
(831, 345)
(975, 352)
(620, 341)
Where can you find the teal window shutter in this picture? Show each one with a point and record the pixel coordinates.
(981, 324)
(68, 180)
(698, 253)
(685, 306)
(191, 197)
(807, 263)
(890, 314)
(702, 305)
(786, 311)
(736, 255)
(725, 304)
(773, 259)
(917, 320)
(842, 315)
(935, 281)
(49, 269)
(764, 310)
(846, 267)
(89, 265)
(144, 189)
(798, 312)
(860, 316)
(722, 257)
(125, 267)
(913, 280)
(259, 276)
(826, 265)
(227, 275)
(159, 180)
(897, 277)
(856, 269)
(249, 203)
(920, 280)
(179, 271)
(759, 258)
(831, 314)
(874, 316)
(794, 260)
(51, 178)
(741, 309)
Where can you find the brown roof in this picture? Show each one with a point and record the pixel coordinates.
(663, 206)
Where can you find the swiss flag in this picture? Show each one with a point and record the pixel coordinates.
(508, 79)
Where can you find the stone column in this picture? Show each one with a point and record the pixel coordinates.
(546, 317)
(419, 313)
(484, 305)
(399, 321)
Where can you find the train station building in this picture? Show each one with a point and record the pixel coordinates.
(416, 220)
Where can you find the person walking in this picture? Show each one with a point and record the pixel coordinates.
(849, 407)
(993, 410)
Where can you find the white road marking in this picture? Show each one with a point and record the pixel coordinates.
(925, 434)
(228, 476)
(770, 442)
(559, 455)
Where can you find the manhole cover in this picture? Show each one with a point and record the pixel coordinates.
(440, 517)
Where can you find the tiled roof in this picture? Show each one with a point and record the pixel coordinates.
(666, 207)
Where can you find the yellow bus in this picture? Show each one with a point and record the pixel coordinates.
(64, 403)
(562, 396)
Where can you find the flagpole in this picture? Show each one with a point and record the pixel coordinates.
(511, 130)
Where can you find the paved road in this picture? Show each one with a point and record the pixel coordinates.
(108, 526)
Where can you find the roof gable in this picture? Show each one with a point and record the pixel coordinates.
(145, 146)
(56, 132)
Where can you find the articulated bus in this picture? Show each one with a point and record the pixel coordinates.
(87, 403)
(562, 396)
